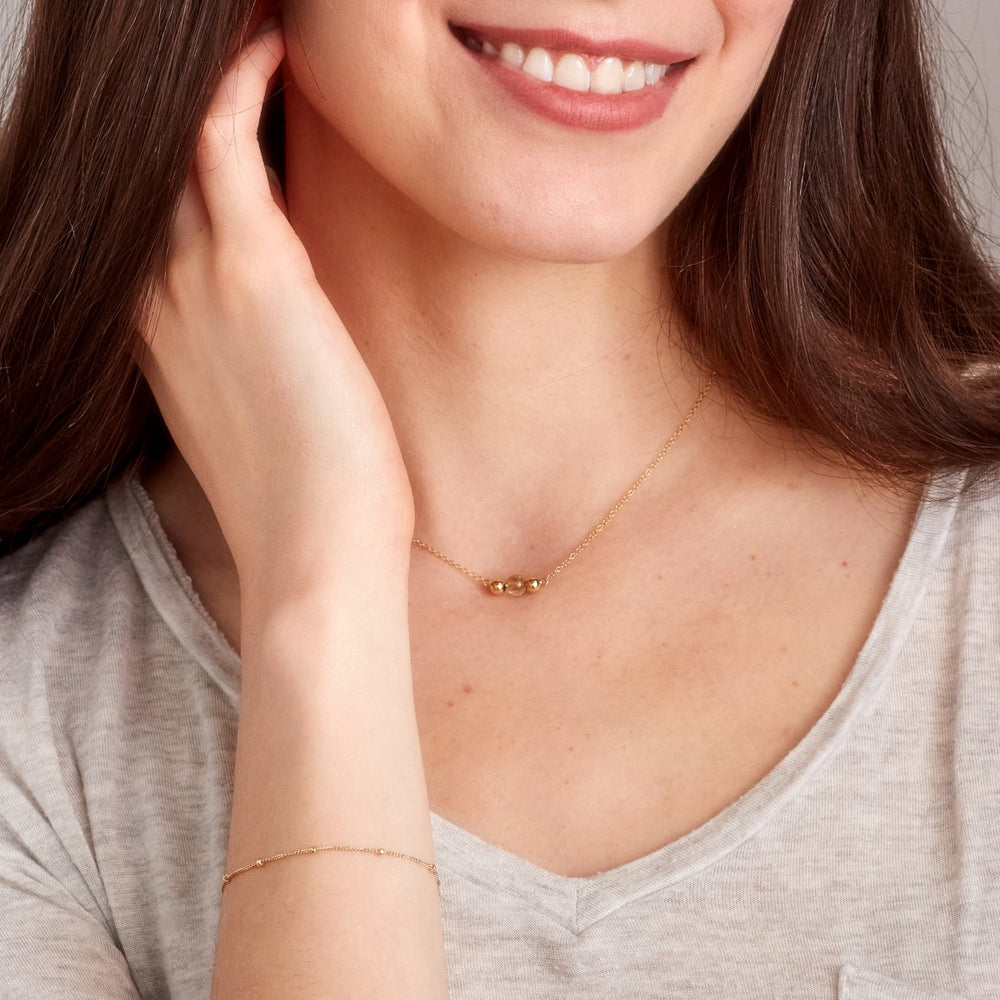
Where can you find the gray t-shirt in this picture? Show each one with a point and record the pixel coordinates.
(866, 866)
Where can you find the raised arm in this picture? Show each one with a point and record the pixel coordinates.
(277, 416)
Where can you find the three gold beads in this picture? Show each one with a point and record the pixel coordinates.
(516, 586)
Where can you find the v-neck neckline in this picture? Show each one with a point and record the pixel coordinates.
(573, 901)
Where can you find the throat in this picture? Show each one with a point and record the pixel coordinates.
(519, 586)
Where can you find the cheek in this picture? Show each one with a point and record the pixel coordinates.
(748, 15)
(751, 30)
(359, 65)
(374, 36)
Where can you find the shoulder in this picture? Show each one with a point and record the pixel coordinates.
(78, 631)
(60, 597)
(54, 604)
(970, 561)
(75, 543)
(956, 625)
(100, 630)
(978, 509)
(70, 609)
(104, 663)
(973, 565)
(56, 590)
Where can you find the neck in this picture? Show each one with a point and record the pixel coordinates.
(521, 390)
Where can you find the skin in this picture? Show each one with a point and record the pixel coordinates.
(459, 330)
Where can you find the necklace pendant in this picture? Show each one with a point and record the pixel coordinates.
(515, 586)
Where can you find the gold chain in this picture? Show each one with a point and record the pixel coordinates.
(515, 586)
(382, 852)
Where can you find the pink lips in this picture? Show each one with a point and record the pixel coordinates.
(592, 112)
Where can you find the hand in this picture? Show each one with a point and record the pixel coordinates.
(257, 379)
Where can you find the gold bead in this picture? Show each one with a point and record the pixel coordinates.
(515, 586)
(496, 586)
(534, 586)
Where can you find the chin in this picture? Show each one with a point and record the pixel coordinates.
(570, 236)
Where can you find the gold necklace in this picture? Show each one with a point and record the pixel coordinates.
(516, 586)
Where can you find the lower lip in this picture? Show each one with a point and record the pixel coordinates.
(583, 110)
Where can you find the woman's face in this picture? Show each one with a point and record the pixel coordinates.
(542, 128)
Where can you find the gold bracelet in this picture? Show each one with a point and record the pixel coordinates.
(381, 852)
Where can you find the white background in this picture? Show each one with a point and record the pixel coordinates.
(970, 39)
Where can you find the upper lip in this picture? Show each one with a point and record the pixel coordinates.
(563, 40)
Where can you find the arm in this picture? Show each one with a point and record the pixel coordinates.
(328, 753)
(273, 409)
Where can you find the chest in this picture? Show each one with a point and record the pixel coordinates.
(587, 726)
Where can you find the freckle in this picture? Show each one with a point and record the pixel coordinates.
(844, 564)
(467, 688)
(586, 736)
(795, 684)
(627, 356)
(571, 749)
(753, 557)
(659, 576)
(450, 703)
(782, 649)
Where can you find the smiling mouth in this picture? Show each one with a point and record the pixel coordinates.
(606, 73)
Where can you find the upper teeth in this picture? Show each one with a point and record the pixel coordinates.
(570, 70)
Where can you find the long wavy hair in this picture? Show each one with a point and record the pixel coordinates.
(821, 263)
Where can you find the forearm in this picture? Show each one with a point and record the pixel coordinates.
(328, 754)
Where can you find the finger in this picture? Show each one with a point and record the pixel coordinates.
(190, 235)
(191, 223)
(277, 192)
(142, 352)
(229, 163)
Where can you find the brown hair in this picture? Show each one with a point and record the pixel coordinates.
(821, 261)
(94, 153)
(840, 291)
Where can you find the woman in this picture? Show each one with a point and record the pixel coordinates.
(519, 257)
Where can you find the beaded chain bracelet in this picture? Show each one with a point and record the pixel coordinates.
(381, 852)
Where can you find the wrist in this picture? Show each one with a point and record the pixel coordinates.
(351, 602)
(327, 550)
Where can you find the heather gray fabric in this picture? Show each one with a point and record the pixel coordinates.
(865, 867)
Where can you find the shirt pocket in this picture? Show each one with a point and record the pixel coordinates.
(858, 984)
